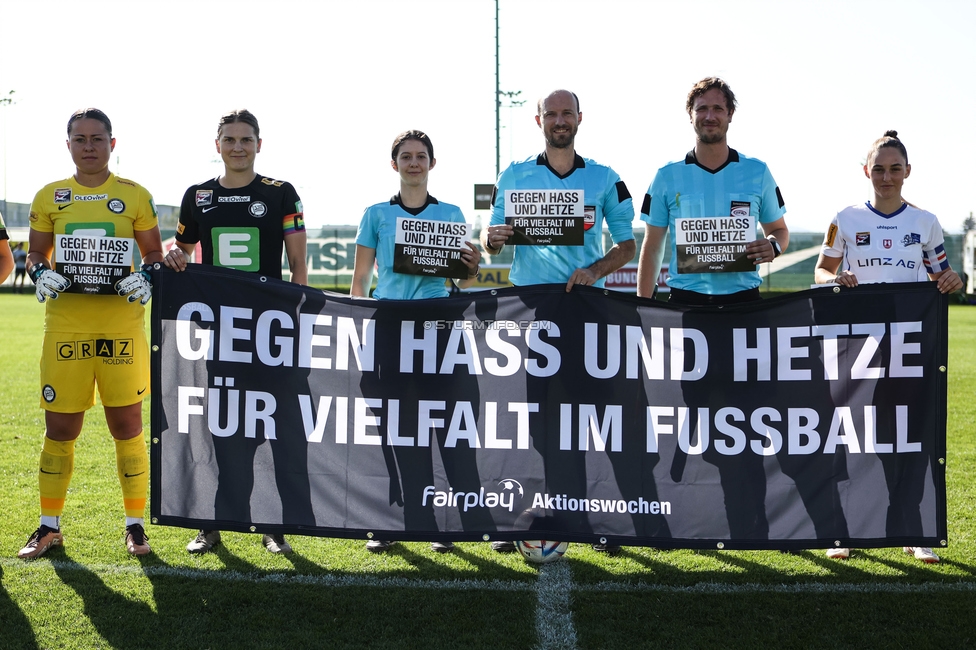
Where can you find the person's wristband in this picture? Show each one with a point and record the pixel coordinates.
(146, 270)
(490, 248)
(35, 271)
(475, 274)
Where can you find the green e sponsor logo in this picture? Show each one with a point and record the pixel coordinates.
(93, 229)
(237, 248)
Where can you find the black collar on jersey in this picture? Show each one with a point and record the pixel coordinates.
(257, 179)
(692, 159)
(578, 163)
(414, 211)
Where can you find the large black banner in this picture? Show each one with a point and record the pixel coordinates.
(805, 421)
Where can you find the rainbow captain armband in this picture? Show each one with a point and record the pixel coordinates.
(293, 223)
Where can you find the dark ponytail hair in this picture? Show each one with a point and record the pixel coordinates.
(889, 139)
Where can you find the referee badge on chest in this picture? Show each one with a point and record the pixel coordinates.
(740, 209)
(589, 216)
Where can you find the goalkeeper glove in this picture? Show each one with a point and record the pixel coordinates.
(48, 283)
(137, 286)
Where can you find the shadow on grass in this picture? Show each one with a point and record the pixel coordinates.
(429, 568)
(277, 609)
(968, 568)
(233, 562)
(14, 627)
(185, 611)
(839, 569)
(920, 571)
(302, 565)
(122, 622)
(767, 569)
(491, 564)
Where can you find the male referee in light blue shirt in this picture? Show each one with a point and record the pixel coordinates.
(560, 168)
(606, 200)
(711, 183)
(712, 196)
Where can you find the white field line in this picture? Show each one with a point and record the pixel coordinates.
(709, 588)
(276, 577)
(554, 626)
(333, 580)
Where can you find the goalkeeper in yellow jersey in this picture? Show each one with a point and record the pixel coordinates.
(84, 234)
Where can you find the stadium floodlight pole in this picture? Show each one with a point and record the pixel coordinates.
(498, 108)
(5, 102)
(498, 101)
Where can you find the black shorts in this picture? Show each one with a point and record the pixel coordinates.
(695, 299)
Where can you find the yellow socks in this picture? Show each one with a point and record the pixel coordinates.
(57, 464)
(132, 460)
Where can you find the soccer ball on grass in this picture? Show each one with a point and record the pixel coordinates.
(540, 551)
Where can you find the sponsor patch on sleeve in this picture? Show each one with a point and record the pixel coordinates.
(831, 235)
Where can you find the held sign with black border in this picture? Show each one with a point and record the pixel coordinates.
(93, 263)
(427, 247)
(545, 217)
(807, 421)
(715, 244)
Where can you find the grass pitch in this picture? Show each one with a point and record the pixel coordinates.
(334, 594)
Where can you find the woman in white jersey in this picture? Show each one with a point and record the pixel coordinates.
(886, 239)
(885, 227)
